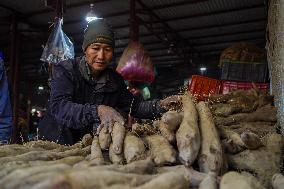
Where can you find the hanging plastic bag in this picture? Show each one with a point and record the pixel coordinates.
(135, 64)
(58, 47)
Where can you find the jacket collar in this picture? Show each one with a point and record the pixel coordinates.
(87, 73)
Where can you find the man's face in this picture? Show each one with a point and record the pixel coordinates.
(98, 55)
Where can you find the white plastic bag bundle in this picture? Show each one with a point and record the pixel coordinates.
(58, 47)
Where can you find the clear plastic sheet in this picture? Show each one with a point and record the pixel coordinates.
(58, 47)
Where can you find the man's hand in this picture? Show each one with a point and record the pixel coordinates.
(108, 116)
(4, 142)
(171, 101)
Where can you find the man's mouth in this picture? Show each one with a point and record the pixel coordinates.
(100, 63)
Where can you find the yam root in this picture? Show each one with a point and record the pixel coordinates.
(251, 140)
(104, 139)
(115, 158)
(165, 131)
(139, 167)
(194, 177)
(167, 181)
(87, 140)
(96, 157)
(224, 110)
(209, 182)
(13, 150)
(11, 166)
(188, 136)
(259, 128)
(145, 129)
(160, 150)
(9, 181)
(217, 98)
(210, 157)
(233, 142)
(134, 148)
(33, 180)
(268, 110)
(264, 162)
(278, 181)
(118, 135)
(235, 180)
(47, 145)
(172, 119)
(46, 155)
(83, 179)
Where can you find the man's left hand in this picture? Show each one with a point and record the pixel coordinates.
(171, 102)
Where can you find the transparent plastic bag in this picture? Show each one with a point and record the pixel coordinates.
(58, 47)
(135, 64)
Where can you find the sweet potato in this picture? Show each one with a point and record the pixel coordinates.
(160, 150)
(134, 148)
(104, 139)
(188, 136)
(117, 136)
(115, 158)
(210, 156)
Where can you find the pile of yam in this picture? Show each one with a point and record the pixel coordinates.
(229, 141)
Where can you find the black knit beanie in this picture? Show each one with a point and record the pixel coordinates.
(98, 31)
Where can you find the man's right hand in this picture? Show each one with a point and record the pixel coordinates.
(4, 142)
(108, 116)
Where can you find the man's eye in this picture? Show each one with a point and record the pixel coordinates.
(96, 48)
(108, 49)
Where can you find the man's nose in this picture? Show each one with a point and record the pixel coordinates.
(101, 54)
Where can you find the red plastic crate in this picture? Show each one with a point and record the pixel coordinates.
(228, 86)
(201, 87)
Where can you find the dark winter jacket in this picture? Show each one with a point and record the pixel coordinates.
(5, 107)
(74, 98)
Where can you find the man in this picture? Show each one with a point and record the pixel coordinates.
(86, 95)
(5, 106)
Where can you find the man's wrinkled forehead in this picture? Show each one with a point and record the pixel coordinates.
(104, 45)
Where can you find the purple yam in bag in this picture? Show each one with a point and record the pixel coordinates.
(135, 64)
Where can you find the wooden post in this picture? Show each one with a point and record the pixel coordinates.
(16, 133)
(13, 28)
(275, 54)
(134, 26)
